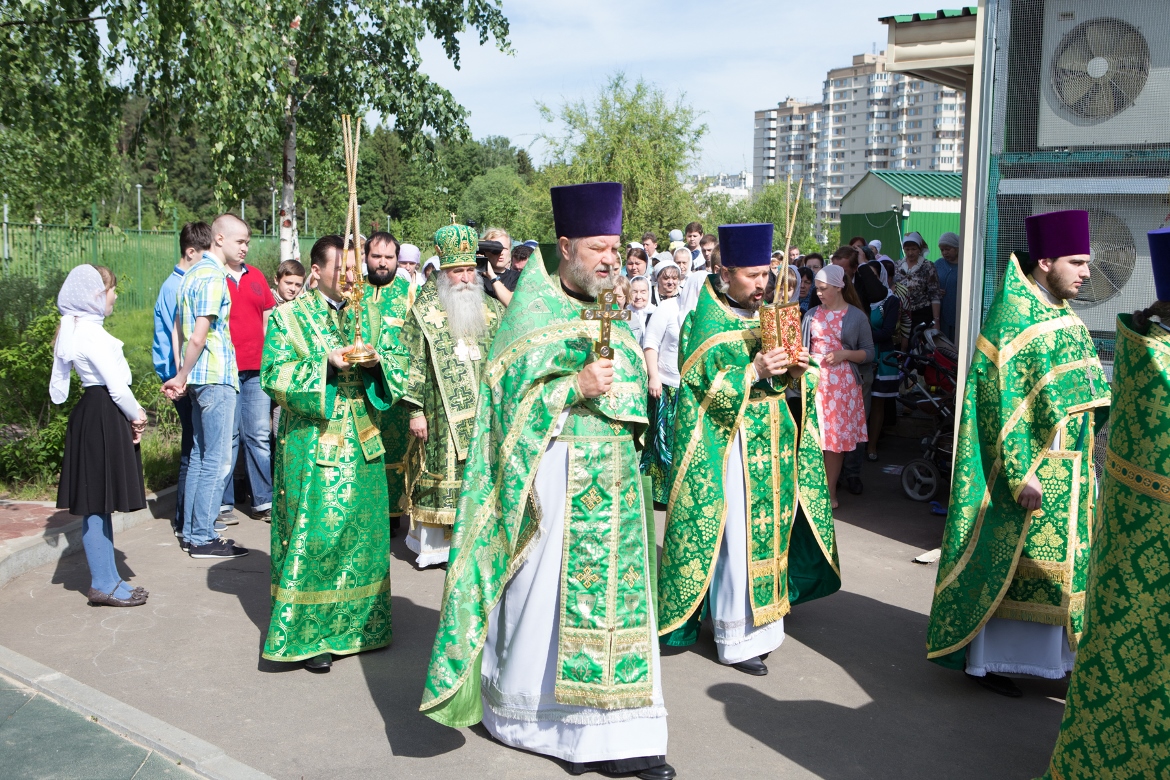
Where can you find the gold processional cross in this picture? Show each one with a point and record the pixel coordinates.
(606, 314)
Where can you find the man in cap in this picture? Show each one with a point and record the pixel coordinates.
(1115, 720)
(390, 300)
(330, 540)
(547, 630)
(749, 526)
(448, 333)
(1015, 552)
(947, 267)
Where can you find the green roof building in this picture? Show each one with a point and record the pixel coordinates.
(887, 205)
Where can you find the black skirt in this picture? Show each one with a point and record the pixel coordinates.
(102, 469)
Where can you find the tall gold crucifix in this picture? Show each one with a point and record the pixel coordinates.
(606, 314)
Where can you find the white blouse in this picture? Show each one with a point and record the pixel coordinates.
(662, 335)
(99, 361)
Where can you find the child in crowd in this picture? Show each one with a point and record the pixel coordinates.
(290, 281)
(621, 291)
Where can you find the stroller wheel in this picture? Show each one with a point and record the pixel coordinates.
(920, 480)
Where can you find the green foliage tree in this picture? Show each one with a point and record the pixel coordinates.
(248, 73)
(772, 203)
(59, 109)
(633, 134)
(501, 198)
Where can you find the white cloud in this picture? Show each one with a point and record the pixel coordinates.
(730, 59)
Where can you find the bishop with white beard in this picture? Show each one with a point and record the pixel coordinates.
(448, 333)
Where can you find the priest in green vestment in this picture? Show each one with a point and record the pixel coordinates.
(448, 331)
(749, 527)
(547, 632)
(1010, 594)
(1117, 712)
(391, 298)
(330, 527)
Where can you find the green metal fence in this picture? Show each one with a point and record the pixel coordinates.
(141, 259)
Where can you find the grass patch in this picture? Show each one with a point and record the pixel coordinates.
(160, 460)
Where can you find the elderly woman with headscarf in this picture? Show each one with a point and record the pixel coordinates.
(101, 472)
(837, 334)
(921, 279)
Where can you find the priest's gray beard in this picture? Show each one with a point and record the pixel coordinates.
(466, 307)
(580, 276)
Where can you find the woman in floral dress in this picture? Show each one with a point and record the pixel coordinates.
(837, 335)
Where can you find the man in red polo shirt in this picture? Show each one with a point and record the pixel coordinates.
(251, 302)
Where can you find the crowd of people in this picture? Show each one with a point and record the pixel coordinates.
(524, 430)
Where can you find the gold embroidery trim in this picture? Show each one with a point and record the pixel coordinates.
(293, 596)
(1144, 481)
(1001, 357)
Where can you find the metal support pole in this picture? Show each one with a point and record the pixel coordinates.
(242, 219)
(139, 186)
(274, 231)
(307, 219)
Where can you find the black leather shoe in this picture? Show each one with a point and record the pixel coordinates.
(853, 485)
(997, 683)
(319, 663)
(660, 772)
(753, 666)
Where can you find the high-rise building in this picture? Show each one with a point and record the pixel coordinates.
(867, 118)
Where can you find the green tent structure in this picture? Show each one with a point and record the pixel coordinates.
(887, 205)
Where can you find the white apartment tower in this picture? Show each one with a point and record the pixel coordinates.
(867, 119)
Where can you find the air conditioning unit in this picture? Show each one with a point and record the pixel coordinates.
(1121, 279)
(1105, 74)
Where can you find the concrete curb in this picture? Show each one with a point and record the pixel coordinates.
(18, 556)
(199, 756)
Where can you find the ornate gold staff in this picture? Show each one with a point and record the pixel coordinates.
(780, 322)
(352, 283)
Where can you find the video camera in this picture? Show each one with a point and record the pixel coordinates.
(484, 249)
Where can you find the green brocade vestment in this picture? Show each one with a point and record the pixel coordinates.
(792, 553)
(392, 303)
(604, 657)
(330, 526)
(1117, 716)
(444, 385)
(1035, 381)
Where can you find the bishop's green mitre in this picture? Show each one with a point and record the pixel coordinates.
(456, 245)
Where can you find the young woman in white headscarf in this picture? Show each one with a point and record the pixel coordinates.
(101, 472)
(837, 334)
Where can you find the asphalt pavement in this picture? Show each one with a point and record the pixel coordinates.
(849, 695)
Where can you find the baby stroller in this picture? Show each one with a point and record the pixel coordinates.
(928, 374)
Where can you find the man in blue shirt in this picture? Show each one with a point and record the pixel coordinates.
(194, 240)
(947, 267)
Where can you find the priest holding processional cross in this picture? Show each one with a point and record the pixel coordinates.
(749, 526)
(547, 631)
(331, 372)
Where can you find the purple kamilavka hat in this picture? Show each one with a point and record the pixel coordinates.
(1057, 234)
(581, 210)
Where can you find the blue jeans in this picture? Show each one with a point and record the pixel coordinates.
(213, 412)
(186, 441)
(252, 429)
(97, 537)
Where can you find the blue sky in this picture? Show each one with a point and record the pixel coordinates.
(729, 58)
